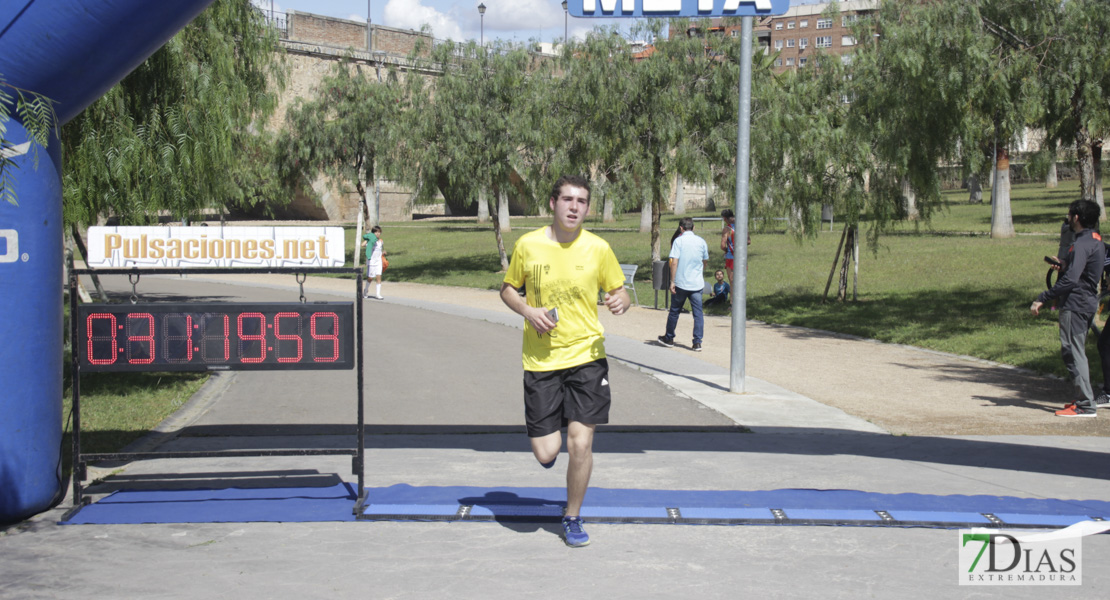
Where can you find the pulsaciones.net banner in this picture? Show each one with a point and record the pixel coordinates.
(198, 247)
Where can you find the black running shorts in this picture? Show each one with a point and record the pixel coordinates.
(554, 398)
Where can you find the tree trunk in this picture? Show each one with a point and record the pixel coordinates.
(1096, 162)
(501, 254)
(1050, 180)
(656, 214)
(710, 205)
(503, 210)
(909, 201)
(1086, 165)
(607, 210)
(483, 208)
(974, 189)
(1002, 220)
(646, 215)
(679, 196)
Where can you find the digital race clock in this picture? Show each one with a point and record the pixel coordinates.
(215, 336)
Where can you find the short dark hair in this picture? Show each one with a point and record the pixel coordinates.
(574, 180)
(727, 214)
(375, 229)
(1087, 211)
(687, 224)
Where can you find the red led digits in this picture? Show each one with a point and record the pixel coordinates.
(198, 336)
(140, 347)
(333, 336)
(288, 337)
(245, 338)
(172, 338)
(221, 342)
(100, 344)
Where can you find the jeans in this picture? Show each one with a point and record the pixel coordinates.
(678, 299)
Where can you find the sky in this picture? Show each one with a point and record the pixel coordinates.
(517, 20)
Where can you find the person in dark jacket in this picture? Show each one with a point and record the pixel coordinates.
(1077, 292)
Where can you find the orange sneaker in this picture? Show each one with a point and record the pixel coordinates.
(1072, 410)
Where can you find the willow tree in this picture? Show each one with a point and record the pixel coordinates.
(936, 82)
(181, 133)
(1071, 42)
(465, 135)
(36, 114)
(629, 117)
(346, 131)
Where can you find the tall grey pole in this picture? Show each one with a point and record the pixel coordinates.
(740, 251)
(369, 44)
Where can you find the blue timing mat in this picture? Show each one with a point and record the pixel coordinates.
(232, 505)
(459, 503)
(774, 507)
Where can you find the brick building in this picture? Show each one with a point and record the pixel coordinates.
(796, 36)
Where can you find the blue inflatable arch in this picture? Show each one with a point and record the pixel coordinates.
(71, 51)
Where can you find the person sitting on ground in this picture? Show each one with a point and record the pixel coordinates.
(721, 290)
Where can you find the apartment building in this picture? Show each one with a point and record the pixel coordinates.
(795, 37)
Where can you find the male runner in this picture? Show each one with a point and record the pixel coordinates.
(566, 376)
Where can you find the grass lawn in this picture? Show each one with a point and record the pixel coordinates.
(944, 284)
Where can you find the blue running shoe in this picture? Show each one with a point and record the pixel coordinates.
(573, 534)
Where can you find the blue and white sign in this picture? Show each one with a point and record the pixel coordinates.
(677, 8)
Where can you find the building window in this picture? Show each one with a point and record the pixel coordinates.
(824, 23)
(790, 62)
(847, 40)
(778, 44)
(735, 33)
(778, 62)
(804, 23)
(790, 43)
(849, 19)
(802, 61)
(803, 43)
(823, 41)
(790, 25)
(778, 26)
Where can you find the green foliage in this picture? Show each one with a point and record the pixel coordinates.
(36, 113)
(182, 132)
(347, 130)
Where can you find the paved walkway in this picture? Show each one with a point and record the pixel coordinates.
(443, 402)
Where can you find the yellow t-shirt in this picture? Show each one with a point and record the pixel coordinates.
(567, 277)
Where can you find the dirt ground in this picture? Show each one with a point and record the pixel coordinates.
(902, 389)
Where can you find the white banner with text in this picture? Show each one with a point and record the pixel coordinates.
(198, 247)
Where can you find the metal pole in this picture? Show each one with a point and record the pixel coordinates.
(740, 252)
(369, 45)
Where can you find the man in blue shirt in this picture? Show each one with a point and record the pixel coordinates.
(688, 258)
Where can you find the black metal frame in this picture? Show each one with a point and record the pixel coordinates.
(80, 459)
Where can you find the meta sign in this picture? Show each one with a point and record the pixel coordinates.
(215, 336)
(609, 9)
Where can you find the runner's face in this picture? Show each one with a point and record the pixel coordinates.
(570, 207)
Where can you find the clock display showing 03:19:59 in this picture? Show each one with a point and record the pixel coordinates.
(215, 336)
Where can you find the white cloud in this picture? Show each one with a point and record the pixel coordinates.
(410, 14)
(526, 15)
(354, 17)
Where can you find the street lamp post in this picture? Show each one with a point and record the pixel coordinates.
(482, 14)
(566, 18)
